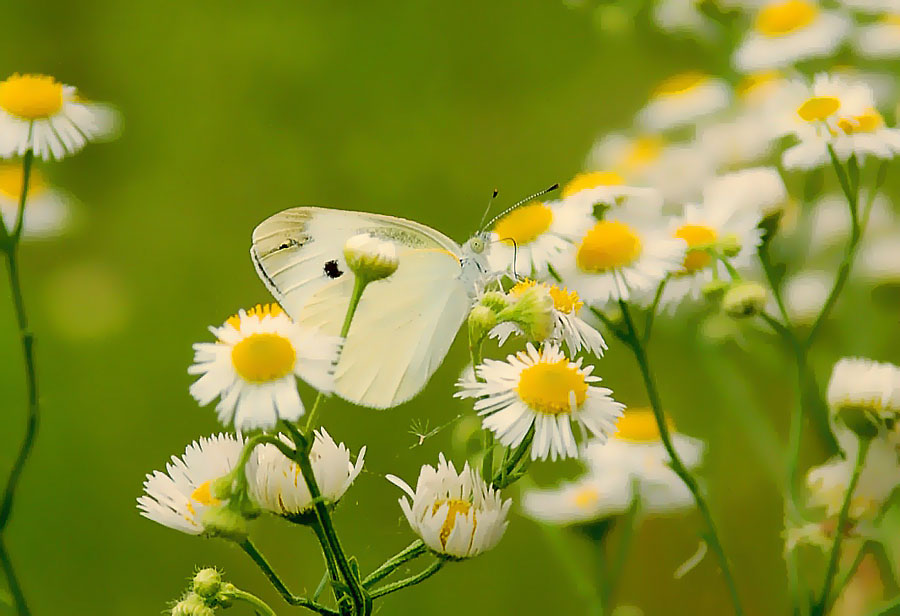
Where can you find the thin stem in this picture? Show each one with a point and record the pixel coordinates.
(847, 575)
(331, 566)
(410, 581)
(503, 478)
(413, 550)
(765, 260)
(628, 522)
(251, 550)
(612, 327)
(651, 313)
(825, 598)
(675, 461)
(260, 606)
(20, 214)
(15, 589)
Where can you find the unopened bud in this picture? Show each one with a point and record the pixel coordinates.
(223, 521)
(207, 582)
(192, 605)
(481, 320)
(715, 289)
(532, 312)
(730, 245)
(370, 258)
(745, 299)
(494, 300)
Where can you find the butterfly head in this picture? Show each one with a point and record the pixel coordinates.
(478, 244)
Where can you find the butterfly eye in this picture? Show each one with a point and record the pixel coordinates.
(477, 245)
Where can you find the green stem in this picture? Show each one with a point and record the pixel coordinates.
(628, 522)
(824, 602)
(15, 590)
(20, 214)
(675, 461)
(331, 565)
(251, 550)
(651, 313)
(504, 477)
(847, 575)
(410, 581)
(260, 606)
(765, 260)
(413, 550)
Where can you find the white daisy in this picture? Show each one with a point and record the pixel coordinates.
(715, 223)
(179, 497)
(38, 113)
(567, 326)
(46, 210)
(456, 514)
(755, 189)
(681, 16)
(835, 112)
(873, 7)
(682, 99)
(589, 498)
(879, 259)
(636, 456)
(629, 251)
(628, 157)
(787, 31)
(604, 189)
(757, 91)
(880, 39)
(253, 366)
(276, 483)
(738, 141)
(858, 383)
(545, 390)
(527, 238)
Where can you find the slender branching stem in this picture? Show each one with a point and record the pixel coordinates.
(410, 581)
(277, 583)
(259, 606)
(413, 550)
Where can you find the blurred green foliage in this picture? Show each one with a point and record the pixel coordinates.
(233, 111)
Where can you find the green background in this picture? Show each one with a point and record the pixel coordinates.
(234, 111)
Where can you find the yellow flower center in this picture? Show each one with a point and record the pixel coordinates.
(259, 310)
(593, 179)
(756, 82)
(31, 97)
(260, 358)
(783, 18)
(11, 181)
(818, 108)
(586, 497)
(640, 153)
(608, 245)
(549, 387)
(696, 235)
(868, 122)
(455, 506)
(563, 300)
(524, 224)
(891, 20)
(203, 496)
(681, 83)
(639, 426)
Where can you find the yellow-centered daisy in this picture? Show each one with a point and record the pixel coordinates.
(179, 497)
(456, 514)
(253, 366)
(41, 114)
(545, 390)
(683, 99)
(590, 498)
(47, 212)
(880, 39)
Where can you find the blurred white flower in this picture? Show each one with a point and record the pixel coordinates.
(859, 383)
(804, 294)
(589, 498)
(545, 390)
(830, 221)
(873, 7)
(879, 258)
(682, 99)
(46, 210)
(756, 189)
(681, 16)
(456, 514)
(879, 40)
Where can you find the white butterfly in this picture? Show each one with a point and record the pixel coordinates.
(404, 324)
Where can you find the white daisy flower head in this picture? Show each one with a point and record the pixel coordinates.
(718, 226)
(873, 7)
(529, 236)
(738, 141)
(276, 483)
(588, 499)
(567, 326)
(47, 213)
(681, 16)
(805, 293)
(788, 31)
(369, 257)
(861, 391)
(253, 366)
(879, 40)
(683, 99)
(544, 390)
(588, 191)
(755, 189)
(40, 114)
(636, 456)
(756, 91)
(628, 157)
(834, 112)
(179, 497)
(456, 514)
(630, 250)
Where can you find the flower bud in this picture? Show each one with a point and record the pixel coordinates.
(221, 489)
(745, 299)
(730, 245)
(532, 312)
(481, 320)
(207, 582)
(370, 258)
(714, 290)
(494, 300)
(192, 605)
(225, 522)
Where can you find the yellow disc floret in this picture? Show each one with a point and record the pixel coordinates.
(608, 245)
(682, 83)
(639, 426)
(586, 497)
(525, 224)
(31, 97)
(783, 18)
(264, 357)
(592, 179)
(696, 236)
(11, 181)
(550, 387)
(259, 310)
(818, 108)
(868, 122)
(563, 300)
(202, 495)
(454, 506)
(640, 153)
(750, 85)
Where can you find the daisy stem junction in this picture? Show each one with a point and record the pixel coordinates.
(410, 581)
(9, 242)
(253, 552)
(633, 340)
(413, 550)
(259, 606)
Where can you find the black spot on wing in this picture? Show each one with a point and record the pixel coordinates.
(332, 270)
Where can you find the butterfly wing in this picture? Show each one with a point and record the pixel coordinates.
(404, 325)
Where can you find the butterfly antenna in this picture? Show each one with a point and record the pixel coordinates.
(488, 208)
(518, 203)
